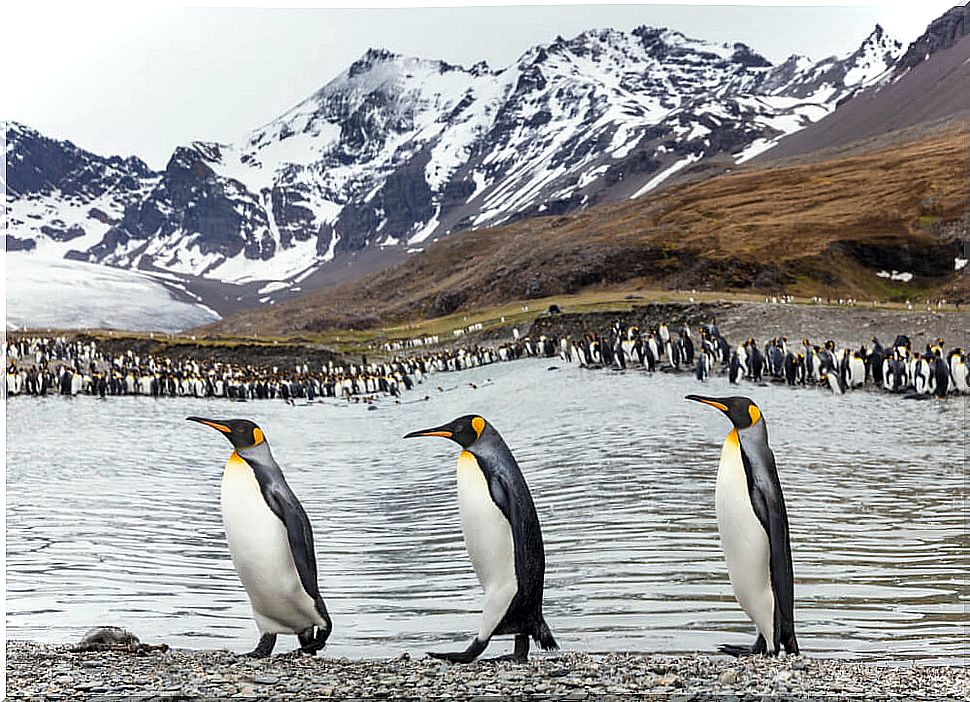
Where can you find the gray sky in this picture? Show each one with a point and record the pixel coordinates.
(142, 78)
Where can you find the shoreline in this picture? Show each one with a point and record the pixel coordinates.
(848, 326)
(53, 670)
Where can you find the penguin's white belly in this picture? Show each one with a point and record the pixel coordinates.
(261, 555)
(744, 541)
(488, 538)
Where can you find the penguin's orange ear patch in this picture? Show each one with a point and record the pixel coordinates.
(478, 424)
(258, 437)
(754, 413)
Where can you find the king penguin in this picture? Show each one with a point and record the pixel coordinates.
(503, 538)
(271, 542)
(753, 526)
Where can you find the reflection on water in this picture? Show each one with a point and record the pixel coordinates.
(113, 516)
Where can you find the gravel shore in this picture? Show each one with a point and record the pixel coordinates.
(52, 671)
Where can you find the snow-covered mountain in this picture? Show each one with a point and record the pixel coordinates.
(398, 151)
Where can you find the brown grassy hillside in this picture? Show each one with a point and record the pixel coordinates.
(826, 227)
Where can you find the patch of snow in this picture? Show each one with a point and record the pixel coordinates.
(757, 147)
(665, 174)
(285, 263)
(480, 184)
(591, 176)
(960, 263)
(427, 230)
(273, 286)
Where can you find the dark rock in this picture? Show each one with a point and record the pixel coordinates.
(15, 244)
(42, 165)
(748, 58)
(109, 635)
(943, 33)
(447, 301)
(58, 234)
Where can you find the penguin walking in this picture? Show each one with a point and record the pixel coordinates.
(753, 526)
(503, 538)
(271, 542)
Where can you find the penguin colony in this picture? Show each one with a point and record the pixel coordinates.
(271, 540)
(42, 366)
(897, 368)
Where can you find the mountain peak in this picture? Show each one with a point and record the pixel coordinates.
(398, 150)
(744, 55)
(370, 58)
(942, 33)
(877, 53)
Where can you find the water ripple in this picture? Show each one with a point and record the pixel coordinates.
(116, 520)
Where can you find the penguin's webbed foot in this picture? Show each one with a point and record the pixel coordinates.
(264, 648)
(474, 649)
(759, 647)
(295, 653)
(507, 658)
(453, 656)
(736, 650)
(520, 655)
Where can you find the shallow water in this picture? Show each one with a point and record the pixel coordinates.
(113, 516)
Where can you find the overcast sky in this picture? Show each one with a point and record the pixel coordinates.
(142, 77)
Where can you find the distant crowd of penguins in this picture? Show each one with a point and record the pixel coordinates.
(42, 366)
(896, 368)
(50, 366)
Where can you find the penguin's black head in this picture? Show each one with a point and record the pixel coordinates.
(241, 433)
(464, 431)
(742, 412)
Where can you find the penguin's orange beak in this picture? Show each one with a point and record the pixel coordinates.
(430, 432)
(708, 401)
(209, 423)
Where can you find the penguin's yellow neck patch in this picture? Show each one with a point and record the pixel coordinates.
(732, 438)
(466, 462)
(236, 462)
(754, 413)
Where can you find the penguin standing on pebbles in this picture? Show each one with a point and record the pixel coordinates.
(271, 542)
(753, 525)
(503, 538)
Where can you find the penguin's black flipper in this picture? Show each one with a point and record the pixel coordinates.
(768, 503)
(511, 495)
(299, 533)
(285, 505)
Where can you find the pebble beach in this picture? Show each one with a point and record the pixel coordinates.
(47, 671)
